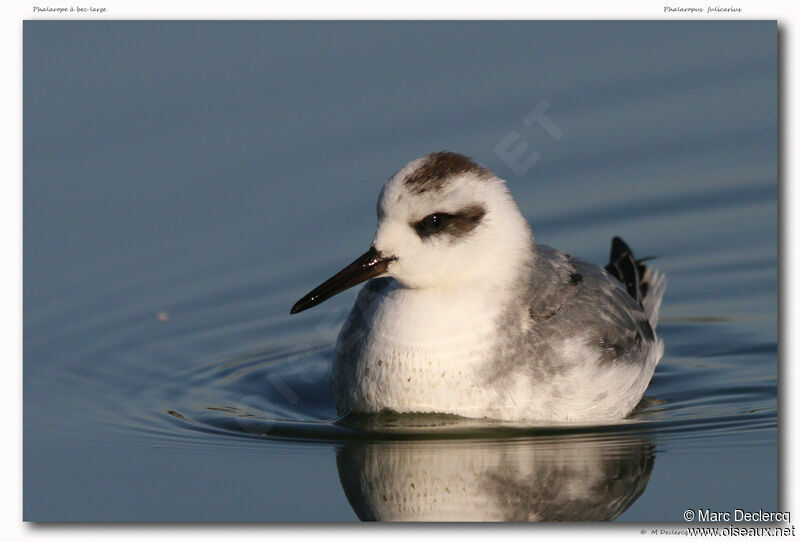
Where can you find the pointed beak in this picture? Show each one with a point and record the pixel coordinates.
(370, 264)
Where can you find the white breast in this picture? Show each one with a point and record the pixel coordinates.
(417, 351)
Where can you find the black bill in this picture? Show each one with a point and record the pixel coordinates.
(370, 264)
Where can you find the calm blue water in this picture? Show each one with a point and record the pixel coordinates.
(186, 182)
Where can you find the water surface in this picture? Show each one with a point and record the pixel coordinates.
(186, 182)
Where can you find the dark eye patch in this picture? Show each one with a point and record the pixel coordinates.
(451, 224)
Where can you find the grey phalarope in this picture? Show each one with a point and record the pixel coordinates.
(464, 314)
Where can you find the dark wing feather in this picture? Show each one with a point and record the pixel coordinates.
(632, 273)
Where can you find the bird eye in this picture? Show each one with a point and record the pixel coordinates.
(454, 225)
(433, 223)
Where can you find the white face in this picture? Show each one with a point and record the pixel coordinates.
(464, 229)
(443, 222)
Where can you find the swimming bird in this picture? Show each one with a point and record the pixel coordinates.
(465, 314)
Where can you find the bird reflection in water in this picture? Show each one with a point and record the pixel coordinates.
(556, 478)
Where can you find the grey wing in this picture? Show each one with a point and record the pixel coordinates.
(576, 297)
(615, 322)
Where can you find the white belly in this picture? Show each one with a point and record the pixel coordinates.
(416, 352)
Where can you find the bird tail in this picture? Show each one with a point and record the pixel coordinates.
(651, 302)
(644, 284)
